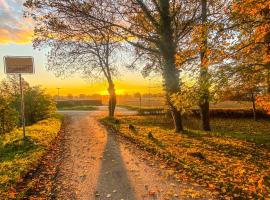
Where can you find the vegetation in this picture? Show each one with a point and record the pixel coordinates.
(38, 104)
(233, 158)
(78, 104)
(76, 43)
(9, 116)
(82, 107)
(17, 158)
(210, 40)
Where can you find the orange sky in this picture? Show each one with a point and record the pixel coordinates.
(15, 40)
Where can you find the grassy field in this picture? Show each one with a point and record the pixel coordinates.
(83, 107)
(158, 102)
(233, 159)
(17, 158)
(149, 102)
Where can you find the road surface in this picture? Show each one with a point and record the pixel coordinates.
(99, 165)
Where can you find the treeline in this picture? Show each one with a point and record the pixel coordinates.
(38, 105)
(204, 50)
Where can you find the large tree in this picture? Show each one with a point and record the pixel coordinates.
(157, 29)
(205, 52)
(76, 44)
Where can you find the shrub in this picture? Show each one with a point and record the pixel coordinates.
(8, 118)
(38, 105)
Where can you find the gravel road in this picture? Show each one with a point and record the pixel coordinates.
(97, 164)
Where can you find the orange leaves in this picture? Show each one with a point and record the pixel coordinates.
(183, 56)
(251, 8)
(261, 31)
(234, 167)
(253, 28)
(12, 194)
(264, 102)
(179, 59)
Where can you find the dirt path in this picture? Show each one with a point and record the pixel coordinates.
(98, 165)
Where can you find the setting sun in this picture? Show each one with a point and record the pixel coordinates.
(118, 92)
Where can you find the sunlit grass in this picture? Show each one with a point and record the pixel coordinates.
(18, 157)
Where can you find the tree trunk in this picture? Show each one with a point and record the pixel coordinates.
(171, 80)
(112, 99)
(177, 117)
(253, 106)
(268, 80)
(204, 75)
(171, 84)
(170, 73)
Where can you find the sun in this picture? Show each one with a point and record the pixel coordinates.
(118, 92)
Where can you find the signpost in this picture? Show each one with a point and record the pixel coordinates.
(19, 65)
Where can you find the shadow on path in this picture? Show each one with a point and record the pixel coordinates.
(113, 179)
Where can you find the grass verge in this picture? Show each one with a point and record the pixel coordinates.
(86, 108)
(232, 159)
(18, 158)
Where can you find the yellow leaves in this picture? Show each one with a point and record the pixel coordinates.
(191, 193)
(223, 190)
(231, 166)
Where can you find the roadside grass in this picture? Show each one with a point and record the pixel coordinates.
(83, 107)
(17, 158)
(234, 158)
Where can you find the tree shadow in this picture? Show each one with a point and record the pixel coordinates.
(113, 179)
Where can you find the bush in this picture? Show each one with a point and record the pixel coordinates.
(38, 105)
(8, 118)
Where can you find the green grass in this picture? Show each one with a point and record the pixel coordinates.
(234, 158)
(18, 157)
(86, 108)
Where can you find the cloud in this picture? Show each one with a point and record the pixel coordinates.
(14, 28)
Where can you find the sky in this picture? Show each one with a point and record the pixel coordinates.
(15, 40)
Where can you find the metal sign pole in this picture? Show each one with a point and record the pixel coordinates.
(22, 106)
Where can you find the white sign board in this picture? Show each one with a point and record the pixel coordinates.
(19, 65)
